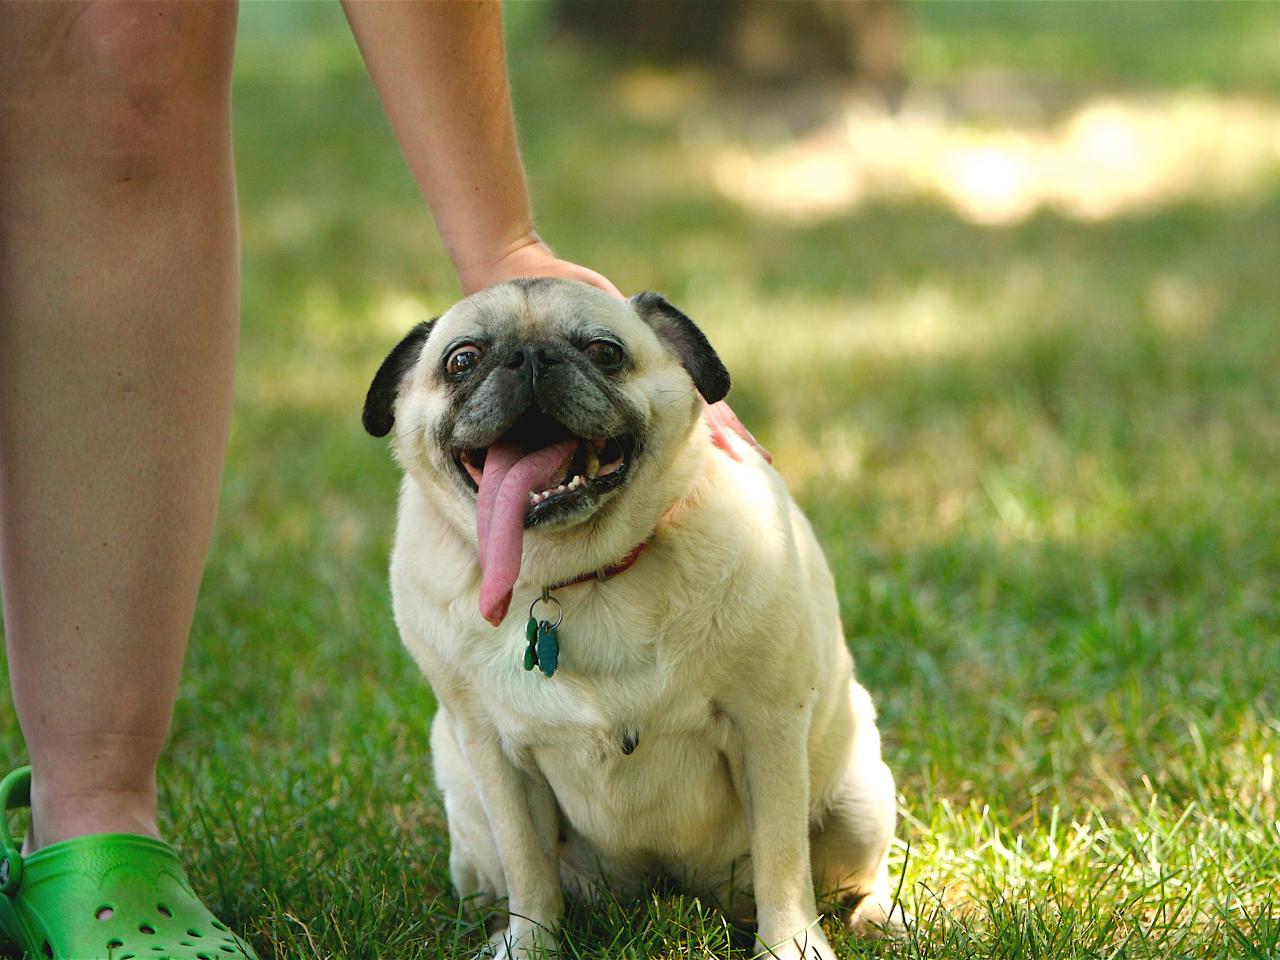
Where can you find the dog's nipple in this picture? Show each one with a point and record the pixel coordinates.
(630, 740)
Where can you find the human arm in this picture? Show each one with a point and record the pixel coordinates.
(440, 70)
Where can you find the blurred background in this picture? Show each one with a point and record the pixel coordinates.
(998, 286)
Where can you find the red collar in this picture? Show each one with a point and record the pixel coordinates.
(604, 573)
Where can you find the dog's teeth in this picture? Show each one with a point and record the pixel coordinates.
(593, 464)
(573, 484)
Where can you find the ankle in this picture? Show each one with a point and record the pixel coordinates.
(103, 782)
(67, 814)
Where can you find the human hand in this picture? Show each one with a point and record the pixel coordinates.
(725, 426)
(529, 257)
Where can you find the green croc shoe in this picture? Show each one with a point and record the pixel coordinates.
(111, 896)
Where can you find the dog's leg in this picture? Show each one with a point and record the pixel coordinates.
(775, 778)
(474, 864)
(850, 844)
(512, 801)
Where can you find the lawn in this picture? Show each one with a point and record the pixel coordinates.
(1038, 435)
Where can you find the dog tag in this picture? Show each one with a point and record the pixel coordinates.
(531, 651)
(548, 652)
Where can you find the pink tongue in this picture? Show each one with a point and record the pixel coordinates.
(510, 474)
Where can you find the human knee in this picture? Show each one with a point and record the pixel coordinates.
(125, 83)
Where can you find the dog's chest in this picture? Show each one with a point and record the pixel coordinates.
(617, 680)
(601, 716)
(639, 761)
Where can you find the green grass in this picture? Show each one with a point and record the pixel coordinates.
(1043, 460)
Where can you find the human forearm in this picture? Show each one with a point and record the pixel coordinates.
(440, 70)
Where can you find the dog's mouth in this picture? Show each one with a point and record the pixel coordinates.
(538, 472)
(595, 466)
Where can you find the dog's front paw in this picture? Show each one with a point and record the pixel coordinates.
(522, 941)
(810, 945)
(876, 917)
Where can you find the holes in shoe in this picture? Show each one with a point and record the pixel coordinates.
(115, 944)
(203, 956)
(164, 911)
(225, 949)
(219, 925)
(48, 949)
(146, 928)
(194, 933)
(104, 912)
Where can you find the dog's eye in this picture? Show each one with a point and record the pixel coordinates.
(604, 353)
(463, 359)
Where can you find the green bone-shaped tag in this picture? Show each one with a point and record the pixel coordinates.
(531, 651)
(548, 653)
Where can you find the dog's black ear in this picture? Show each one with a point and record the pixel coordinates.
(690, 344)
(380, 402)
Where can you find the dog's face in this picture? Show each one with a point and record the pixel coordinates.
(541, 403)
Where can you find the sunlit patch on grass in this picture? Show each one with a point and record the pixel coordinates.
(334, 351)
(654, 95)
(1112, 155)
(397, 311)
(1179, 866)
(1178, 305)
(781, 338)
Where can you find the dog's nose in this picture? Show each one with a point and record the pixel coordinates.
(544, 359)
(515, 361)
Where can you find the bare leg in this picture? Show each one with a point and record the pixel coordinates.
(118, 326)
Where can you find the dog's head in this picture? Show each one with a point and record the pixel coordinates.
(546, 406)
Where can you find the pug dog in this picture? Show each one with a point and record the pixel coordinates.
(633, 638)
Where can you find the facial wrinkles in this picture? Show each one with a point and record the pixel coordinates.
(465, 415)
